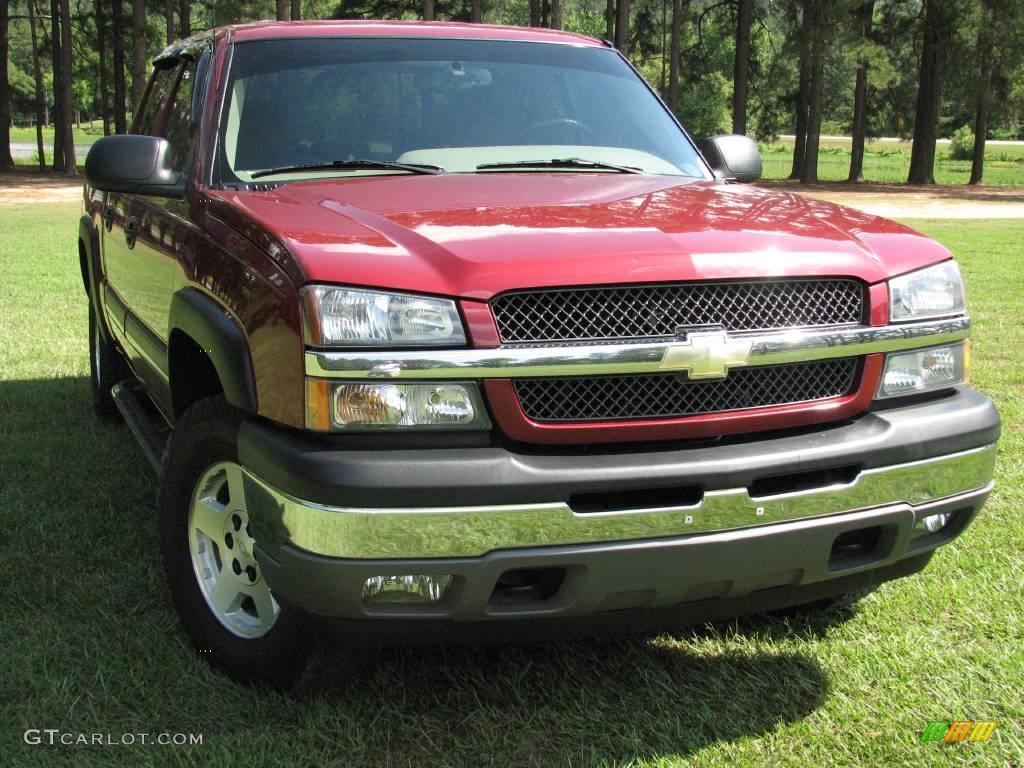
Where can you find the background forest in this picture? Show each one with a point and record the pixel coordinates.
(804, 69)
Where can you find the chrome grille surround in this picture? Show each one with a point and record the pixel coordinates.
(530, 361)
(670, 395)
(624, 313)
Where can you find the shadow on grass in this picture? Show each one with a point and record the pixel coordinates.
(77, 491)
(584, 702)
(48, 426)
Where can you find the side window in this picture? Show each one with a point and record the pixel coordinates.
(159, 90)
(182, 117)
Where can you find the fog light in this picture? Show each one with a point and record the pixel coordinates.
(932, 523)
(923, 370)
(409, 588)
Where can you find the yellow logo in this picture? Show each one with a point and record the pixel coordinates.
(707, 354)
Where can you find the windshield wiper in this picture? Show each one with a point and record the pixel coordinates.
(572, 163)
(350, 165)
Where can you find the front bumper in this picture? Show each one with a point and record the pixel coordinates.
(329, 519)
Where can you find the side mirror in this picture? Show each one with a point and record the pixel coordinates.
(732, 157)
(139, 165)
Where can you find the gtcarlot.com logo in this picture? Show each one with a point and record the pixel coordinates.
(55, 736)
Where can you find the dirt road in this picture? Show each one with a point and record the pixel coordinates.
(897, 201)
(903, 201)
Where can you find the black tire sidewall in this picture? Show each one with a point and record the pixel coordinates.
(279, 657)
(110, 371)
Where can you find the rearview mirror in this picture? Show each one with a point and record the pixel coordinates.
(732, 157)
(139, 165)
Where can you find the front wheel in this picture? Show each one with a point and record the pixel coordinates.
(215, 580)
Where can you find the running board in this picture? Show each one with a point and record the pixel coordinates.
(146, 429)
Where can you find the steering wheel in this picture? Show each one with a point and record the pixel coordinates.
(585, 132)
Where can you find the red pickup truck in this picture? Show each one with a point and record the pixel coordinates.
(442, 332)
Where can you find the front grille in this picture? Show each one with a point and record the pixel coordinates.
(657, 311)
(608, 398)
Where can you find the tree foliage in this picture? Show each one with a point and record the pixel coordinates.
(904, 68)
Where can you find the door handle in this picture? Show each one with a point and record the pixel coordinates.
(108, 217)
(131, 231)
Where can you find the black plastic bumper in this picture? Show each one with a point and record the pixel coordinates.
(660, 575)
(635, 584)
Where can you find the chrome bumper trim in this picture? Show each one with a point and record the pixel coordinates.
(768, 348)
(280, 519)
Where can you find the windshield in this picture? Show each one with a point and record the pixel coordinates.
(456, 105)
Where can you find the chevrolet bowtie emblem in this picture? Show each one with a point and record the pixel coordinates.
(707, 354)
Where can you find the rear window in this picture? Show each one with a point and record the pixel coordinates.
(159, 90)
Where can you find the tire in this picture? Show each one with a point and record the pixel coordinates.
(240, 628)
(106, 368)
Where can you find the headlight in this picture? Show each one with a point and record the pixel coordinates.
(933, 292)
(358, 318)
(924, 370)
(356, 406)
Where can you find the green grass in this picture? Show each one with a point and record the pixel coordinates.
(83, 137)
(87, 134)
(890, 162)
(91, 645)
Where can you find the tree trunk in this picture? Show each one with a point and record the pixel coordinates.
(37, 73)
(622, 26)
(556, 14)
(804, 94)
(283, 10)
(809, 175)
(980, 131)
(984, 99)
(428, 10)
(185, 18)
(929, 96)
(65, 91)
(534, 13)
(860, 98)
(58, 87)
(169, 16)
(679, 9)
(476, 13)
(609, 20)
(297, 10)
(741, 65)
(101, 54)
(120, 90)
(860, 103)
(139, 68)
(6, 161)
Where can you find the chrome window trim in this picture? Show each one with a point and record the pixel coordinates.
(282, 520)
(771, 348)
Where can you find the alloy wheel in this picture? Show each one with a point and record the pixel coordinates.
(221, 546)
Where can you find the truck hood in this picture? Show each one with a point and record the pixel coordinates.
(477, 235)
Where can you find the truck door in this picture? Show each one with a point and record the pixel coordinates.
(147, 233)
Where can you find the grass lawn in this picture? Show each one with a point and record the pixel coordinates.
(87, 134)
(890, 162)
(91, 644)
